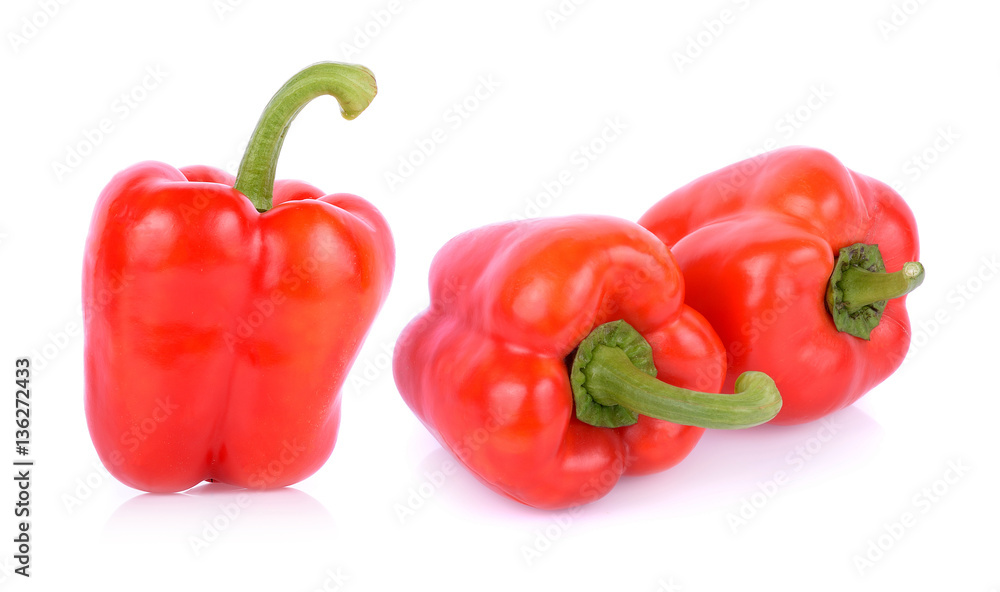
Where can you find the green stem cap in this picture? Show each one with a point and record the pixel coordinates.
(354, 88)
(614, 381)
(860, 288)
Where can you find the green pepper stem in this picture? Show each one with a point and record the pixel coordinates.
(354, 88)
(861, 287)
(614, 380)
(612, 377)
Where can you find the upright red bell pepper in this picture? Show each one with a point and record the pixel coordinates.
(786, 254)
(222, 314)
(531, 320)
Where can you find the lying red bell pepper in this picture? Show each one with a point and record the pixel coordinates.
(219, 329)
(786, 254)
(532, 319)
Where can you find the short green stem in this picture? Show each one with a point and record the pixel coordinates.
(354, 88)
(860, 288)
(614, 382)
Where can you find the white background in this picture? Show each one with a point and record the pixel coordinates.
(913, 102)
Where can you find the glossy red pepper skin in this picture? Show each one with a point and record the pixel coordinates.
(757, 242)
(217, 337)
(484, 368)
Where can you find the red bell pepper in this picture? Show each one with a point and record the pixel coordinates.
(532, 319)
(786, 255)
(219, 329)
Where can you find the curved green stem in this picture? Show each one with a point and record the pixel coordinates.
(860, 288)
(614, 382)
(354, 88)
